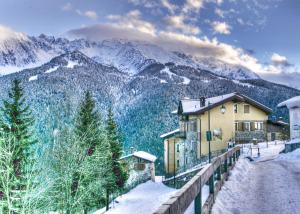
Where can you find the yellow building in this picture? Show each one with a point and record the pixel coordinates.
(230, 118)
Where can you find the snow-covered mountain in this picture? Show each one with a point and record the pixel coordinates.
(22, 51)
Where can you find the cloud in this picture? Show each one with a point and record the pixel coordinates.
(155, 4)
(8, 33)
(178, 22)
(220, 12)
(291, 79)
(131, 27)
(89, 14)
(279, 60)
(193, 6)
(67, 7)
(171, 7)
(132, 20)
(221, 27)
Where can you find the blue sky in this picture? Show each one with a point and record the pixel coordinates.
(262, 35)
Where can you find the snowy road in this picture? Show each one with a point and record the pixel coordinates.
(271, 186)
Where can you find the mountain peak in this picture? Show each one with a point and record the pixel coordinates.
(7, 34)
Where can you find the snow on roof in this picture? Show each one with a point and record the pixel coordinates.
(145, 155)
(291, 103)
(193, 105)
(170, 133)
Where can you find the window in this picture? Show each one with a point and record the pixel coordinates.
(259, 125)
(236, 126)
(235, 108)
(177, 163)
(192, 126)
(247, 126)
(246, 109)
(177, 147)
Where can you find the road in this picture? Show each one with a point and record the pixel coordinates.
(270, 186)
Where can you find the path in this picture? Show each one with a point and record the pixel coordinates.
(271, 186)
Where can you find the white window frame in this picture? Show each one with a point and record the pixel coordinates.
(259, 126)
(235, 108)
(249, 125)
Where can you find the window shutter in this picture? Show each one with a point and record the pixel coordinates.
(241, 126)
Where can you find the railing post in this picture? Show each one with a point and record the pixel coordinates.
(198, 202)
(230, 161)
(211, 184)
(233, 156)
(226, 165)
(219, 173)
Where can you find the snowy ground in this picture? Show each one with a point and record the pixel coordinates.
(270, 185)
(145, 198)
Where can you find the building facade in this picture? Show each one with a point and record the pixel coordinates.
(231, 118)
(277, 130)
(141, 168)
(293, 105)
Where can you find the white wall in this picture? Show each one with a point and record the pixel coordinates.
(295, 123)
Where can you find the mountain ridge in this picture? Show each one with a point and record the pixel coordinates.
(128, 56)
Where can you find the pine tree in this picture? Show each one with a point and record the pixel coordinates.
(17, 157)
(116, 148)
(80, 164)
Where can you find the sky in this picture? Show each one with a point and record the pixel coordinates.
(261, 35)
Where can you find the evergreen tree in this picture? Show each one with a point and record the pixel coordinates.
(17, 156)
(80, 164)
(116, 148)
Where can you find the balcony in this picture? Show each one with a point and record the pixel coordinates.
(249, 136)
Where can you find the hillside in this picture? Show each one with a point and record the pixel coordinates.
(142, 102)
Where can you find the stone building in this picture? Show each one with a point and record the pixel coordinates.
(141, 167)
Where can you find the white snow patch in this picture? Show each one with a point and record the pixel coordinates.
(163, 81)
(166, 70)
(33, 78)
(71, 64)
(186, 80)
(292, 156)
(271, 185)
(50, 70)
(145, 198)
(243, 84)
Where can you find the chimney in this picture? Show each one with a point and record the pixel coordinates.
(202, 101)
(132, 150)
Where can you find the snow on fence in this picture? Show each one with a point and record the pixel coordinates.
(214, 174)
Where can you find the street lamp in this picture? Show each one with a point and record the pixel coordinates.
(223, 109)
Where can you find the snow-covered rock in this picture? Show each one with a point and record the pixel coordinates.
(19, 51)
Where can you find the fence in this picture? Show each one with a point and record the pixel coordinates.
(192, 191)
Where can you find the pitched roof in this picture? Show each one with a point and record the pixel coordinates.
(170, 133)
(291, 103)
(145, 155)
(192, 106)
(141, 154)
(278, 123)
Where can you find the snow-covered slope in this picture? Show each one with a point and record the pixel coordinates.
(19, 51)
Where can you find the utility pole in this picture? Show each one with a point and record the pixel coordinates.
(209, 138)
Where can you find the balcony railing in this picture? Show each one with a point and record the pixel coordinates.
(259, 135)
